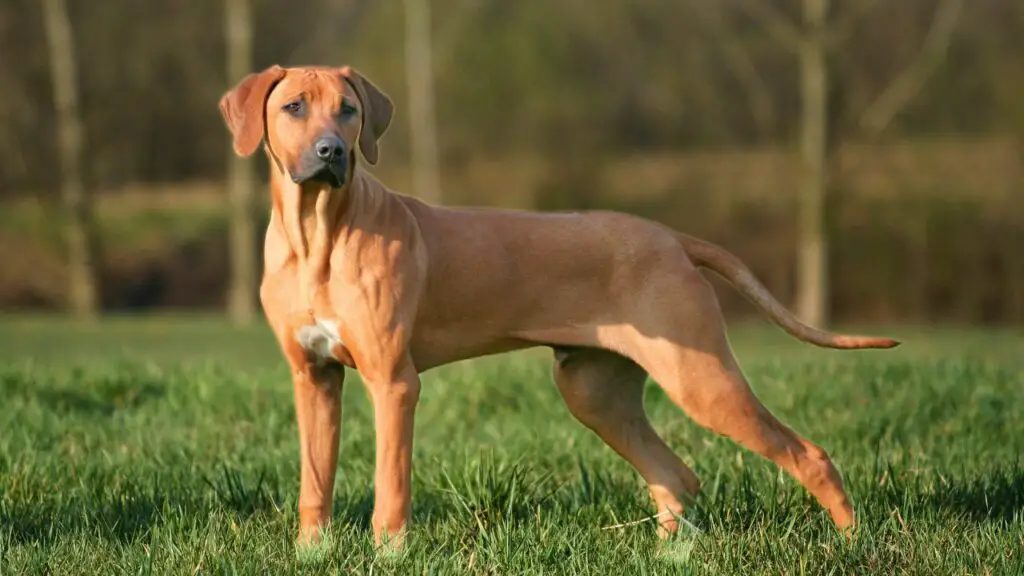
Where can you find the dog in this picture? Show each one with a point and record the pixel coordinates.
(359, 276)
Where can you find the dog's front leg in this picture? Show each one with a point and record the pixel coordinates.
(318, 409)
(395, 393)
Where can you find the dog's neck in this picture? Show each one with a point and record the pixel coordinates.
(312, 213)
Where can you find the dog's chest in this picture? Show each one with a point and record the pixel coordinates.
(322, 342)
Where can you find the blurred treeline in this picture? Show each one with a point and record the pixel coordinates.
(686, 111)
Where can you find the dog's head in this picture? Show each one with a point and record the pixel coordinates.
(310, 118)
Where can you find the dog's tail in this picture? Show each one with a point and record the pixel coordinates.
(717, 259)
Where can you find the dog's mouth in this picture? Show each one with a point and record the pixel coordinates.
(331, 174)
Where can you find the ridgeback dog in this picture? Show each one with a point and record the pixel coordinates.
(360, 276)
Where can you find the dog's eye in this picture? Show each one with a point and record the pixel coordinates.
(347, 110)
(295, 107)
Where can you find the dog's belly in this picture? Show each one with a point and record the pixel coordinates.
(322, 342)
(427, 354)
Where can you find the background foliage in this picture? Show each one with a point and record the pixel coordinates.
(686, 112)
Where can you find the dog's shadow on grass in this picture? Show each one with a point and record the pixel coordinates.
(107, 402)
(485, 493)
(44, 524)
(98, 397)
(128, 514)
(995, 497)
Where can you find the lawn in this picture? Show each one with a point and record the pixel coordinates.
(169, 446)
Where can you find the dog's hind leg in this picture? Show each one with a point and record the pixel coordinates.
(685, 350)
(604, 391)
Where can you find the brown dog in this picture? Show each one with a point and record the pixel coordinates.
(360, 276)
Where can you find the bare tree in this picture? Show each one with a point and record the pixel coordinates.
(241, 180)
(905, 86)
(812, 43)
(812, 256)
(82, 285)
(422, 115)
(739, 62)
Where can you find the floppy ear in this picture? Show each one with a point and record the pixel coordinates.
(377, 112)
(243, 108)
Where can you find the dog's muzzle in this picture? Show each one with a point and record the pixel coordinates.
(325, 161)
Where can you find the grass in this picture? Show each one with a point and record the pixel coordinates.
(169, 446)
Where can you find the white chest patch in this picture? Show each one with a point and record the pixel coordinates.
(319, 339)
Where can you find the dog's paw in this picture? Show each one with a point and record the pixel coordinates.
(393, 547)
(314, 549)
(677, 548)
(677, 551)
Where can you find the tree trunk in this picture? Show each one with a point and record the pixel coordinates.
(1011, 253)
(82, 300)
(242, 287)
(420, 80)
(812, 261)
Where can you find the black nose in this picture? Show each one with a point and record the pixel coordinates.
(329, 147)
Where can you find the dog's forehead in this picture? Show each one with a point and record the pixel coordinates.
(313, 84)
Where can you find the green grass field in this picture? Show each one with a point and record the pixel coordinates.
(169, 446)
